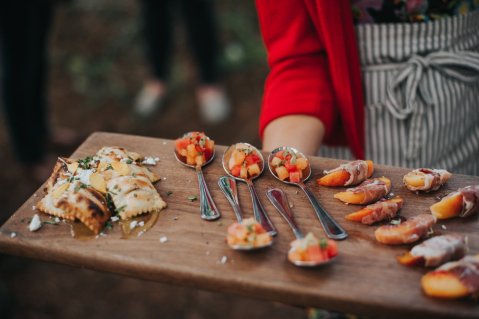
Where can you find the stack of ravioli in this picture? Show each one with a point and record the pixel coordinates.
(94, 188)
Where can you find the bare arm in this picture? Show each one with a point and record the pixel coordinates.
(303, 132)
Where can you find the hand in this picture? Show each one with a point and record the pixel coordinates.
(303, 132)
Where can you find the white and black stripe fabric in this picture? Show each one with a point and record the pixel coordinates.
(421, 89)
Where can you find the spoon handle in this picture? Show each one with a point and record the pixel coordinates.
(331, 227)
(259, 212)
(280, 202)
(228, 186)
(207, 205)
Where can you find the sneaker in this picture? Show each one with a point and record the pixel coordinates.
(150, 99)
(214, 104)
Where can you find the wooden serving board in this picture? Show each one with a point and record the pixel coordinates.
(364, 279)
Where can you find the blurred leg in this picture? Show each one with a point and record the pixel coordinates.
(24, 28)
(157, 31)
(202, 31)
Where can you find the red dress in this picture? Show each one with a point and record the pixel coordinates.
(314, 62)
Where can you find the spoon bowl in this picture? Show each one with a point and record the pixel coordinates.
(227, 185)
(280, 201)
(231, 159)
(208, 208)
(332, 229)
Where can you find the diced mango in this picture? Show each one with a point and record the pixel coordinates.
(191, 150)
(254, 170)
(301, 163)
(244, 172)
(282, 172)
(200, 160)
(276, 161)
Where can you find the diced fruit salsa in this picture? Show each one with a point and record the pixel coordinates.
(244, 162)
(249, 233)
(288, 165)
(312, 249)
(195, 148)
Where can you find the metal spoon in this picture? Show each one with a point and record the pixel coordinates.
(258, 210)
(228, 186)
(332, 229)
(208, 209)
(280, 202)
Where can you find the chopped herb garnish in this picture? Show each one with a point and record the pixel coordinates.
(109, 202)
(168, 193)
(134, 174)
(85, 162)
(192, 198)
(50, 222)
(323, 243)
(109, 225)
(120, 209)
(129, 161)
(108, 167)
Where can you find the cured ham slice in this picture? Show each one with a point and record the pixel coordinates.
(455, 279)
(382, 210)
(463, 203)
(351, 173)
(425, 179)
(407, 232)
(436, 251)
(367, 192)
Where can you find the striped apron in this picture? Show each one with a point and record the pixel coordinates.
(421, 89)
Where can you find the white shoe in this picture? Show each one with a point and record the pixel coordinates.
(214, 104)
(149, 100)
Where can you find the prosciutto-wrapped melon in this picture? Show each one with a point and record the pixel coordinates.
(379, 211)
(367, 192)
(348, 174)
(463, 203)
(425, 179)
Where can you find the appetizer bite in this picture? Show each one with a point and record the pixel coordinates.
(435, 251)
(425, 179)
(456, 279)
(244, 161)
(93, 189)
(463, 203)
(248, 234)
(367, 192)
(312, 249)
(195, 148)
(379, 211)
(289, 165)
(407, 232)
(351, 173)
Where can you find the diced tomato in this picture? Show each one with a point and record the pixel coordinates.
(208, 154)
(288, 157)
(279, 155)
(314, 253)
(252, 159)
(332, 249)
(236, 170)
(259, 229)
(295, 177)
(199, 149)
(181, 143)
(290, 167)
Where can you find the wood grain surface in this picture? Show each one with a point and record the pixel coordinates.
(364, 279)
